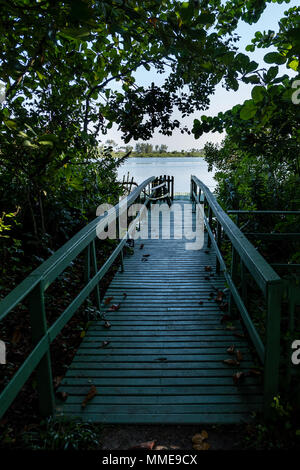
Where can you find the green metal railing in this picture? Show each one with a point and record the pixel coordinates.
(35, 285)
(270, 284)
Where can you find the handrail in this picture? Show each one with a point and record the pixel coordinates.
(254, 261)
(55, 265)
(34, 286)
(266, 278)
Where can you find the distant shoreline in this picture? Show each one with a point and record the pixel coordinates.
(169, 155)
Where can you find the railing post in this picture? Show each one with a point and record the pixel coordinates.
(43, 370)
(219, 233)
(95, 267)
(87, 264)
(209, 223)
(272, 349)
(244, 283)
(234, 268)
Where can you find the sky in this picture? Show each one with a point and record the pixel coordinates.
(222, 100)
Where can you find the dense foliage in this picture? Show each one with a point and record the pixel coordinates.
(60, 63)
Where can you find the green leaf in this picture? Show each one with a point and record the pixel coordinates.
(11, 124)
(294, 65)
(206, 18)
(248, 111)
(258, 93)
(274, 58)
(271, 73)
(45, 142)
(40, 75)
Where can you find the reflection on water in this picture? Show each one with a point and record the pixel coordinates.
(180, 168)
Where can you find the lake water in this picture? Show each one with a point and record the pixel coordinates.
(181, 168)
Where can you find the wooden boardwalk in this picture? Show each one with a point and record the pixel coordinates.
(164, 360)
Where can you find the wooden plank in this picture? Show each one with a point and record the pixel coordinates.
(164, 361)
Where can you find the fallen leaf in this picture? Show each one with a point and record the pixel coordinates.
(254, 372)
(91, 393)
(108, 300)
(82, 334)
(145, 445)
(145, 256)
(207, 268)
(107, 324)
(142, 246)
(104, 344)
(231, 348)
(114, 307)
(231, 362)
(239, 355)
(202, 446)
(200, 303)
(198, 438)
(238, 377)
(220, 296)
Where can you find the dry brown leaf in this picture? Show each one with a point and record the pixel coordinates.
(238, 378)
(207, 268)
(254, 372)
(239, 355)
(107, 324)
(231, 362)
(114, 307)
(202, 446)
(145, 445)
(91, 393)
(199, 437)
(219, 297)
(231, 348)
(108, 300)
